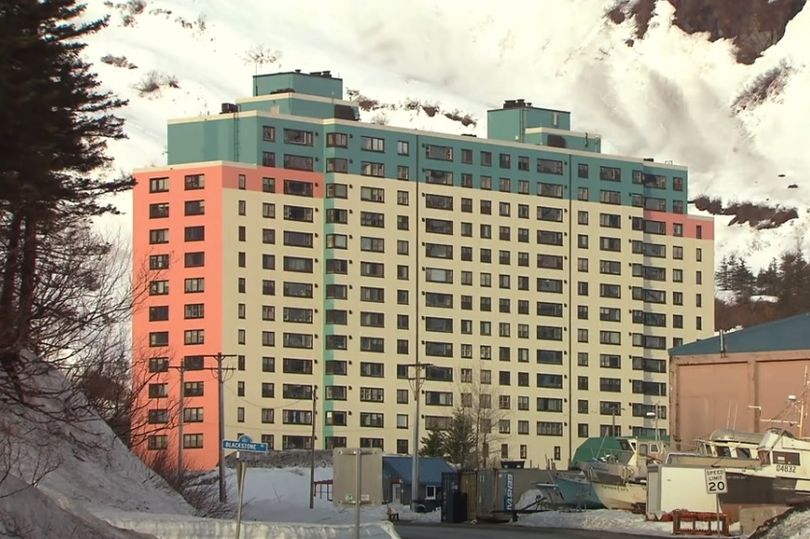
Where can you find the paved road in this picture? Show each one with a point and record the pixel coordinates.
(503, 531)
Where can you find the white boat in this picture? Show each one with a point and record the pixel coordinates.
(724, 448)
(626, 465)
(727, 443)
(630, 496)
(782, 477)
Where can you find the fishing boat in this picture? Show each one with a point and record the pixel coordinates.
(627, 464)
(724, 448)
(577, 491)
(782, 477)
(630, 495)
(616, 470)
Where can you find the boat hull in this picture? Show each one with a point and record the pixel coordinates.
(576, 491)
(747, 489)
(629, 496)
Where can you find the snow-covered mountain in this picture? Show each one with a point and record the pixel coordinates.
(625, 68)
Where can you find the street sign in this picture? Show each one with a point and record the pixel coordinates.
(245, 443)
(716, 481)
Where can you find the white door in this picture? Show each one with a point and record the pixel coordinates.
(396, 493)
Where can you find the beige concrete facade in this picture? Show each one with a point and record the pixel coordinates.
(552, 363)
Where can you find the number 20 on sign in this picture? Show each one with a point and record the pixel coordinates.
(716, 481)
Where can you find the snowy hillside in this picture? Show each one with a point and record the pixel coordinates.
(77, 466)
(668, 95)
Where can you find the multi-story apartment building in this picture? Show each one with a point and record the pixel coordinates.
(541, 280)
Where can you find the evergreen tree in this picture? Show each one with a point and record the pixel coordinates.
(433, 444)
(459, 440)
(721, 278)
(54, 124)
(793, 294)
(741, 279)
(768, 280)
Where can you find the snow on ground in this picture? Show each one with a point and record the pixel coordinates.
(76, 462)
(90, 467)
(26, 511)
(795, 526)
(84, 474)
(601, 519)
(183, 527)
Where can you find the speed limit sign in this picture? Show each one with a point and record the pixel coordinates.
(716, 481)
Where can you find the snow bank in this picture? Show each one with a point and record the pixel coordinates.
(79, 467)
(604, 519)
(57, 442)
(794, 526)
(25, 511)
(599, 519)
(182, 527)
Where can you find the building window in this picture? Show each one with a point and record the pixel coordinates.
(194, 233)
(337, 140)
(549, 166)
(158, 185)
(368, 168)
(610, 174)
(194, 260)
(192, 441)
(298, 136)
(372, 144)
(160, 235)
(158, 210)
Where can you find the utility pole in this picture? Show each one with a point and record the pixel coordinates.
(613, 421)
(417, 380)
(219, 356)
(312, 450)
(180, 423)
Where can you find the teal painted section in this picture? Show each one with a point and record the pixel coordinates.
(511, 168)
(506, 124)
(231, 139)
(668, 194)
(293, 106)
(626, 187)
(303, 83)
(511, 124)
(390, 158)
(780, 335)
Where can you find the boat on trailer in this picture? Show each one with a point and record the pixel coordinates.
(617, 476)
(782, 477)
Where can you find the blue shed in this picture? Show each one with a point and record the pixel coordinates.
(397, 479)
